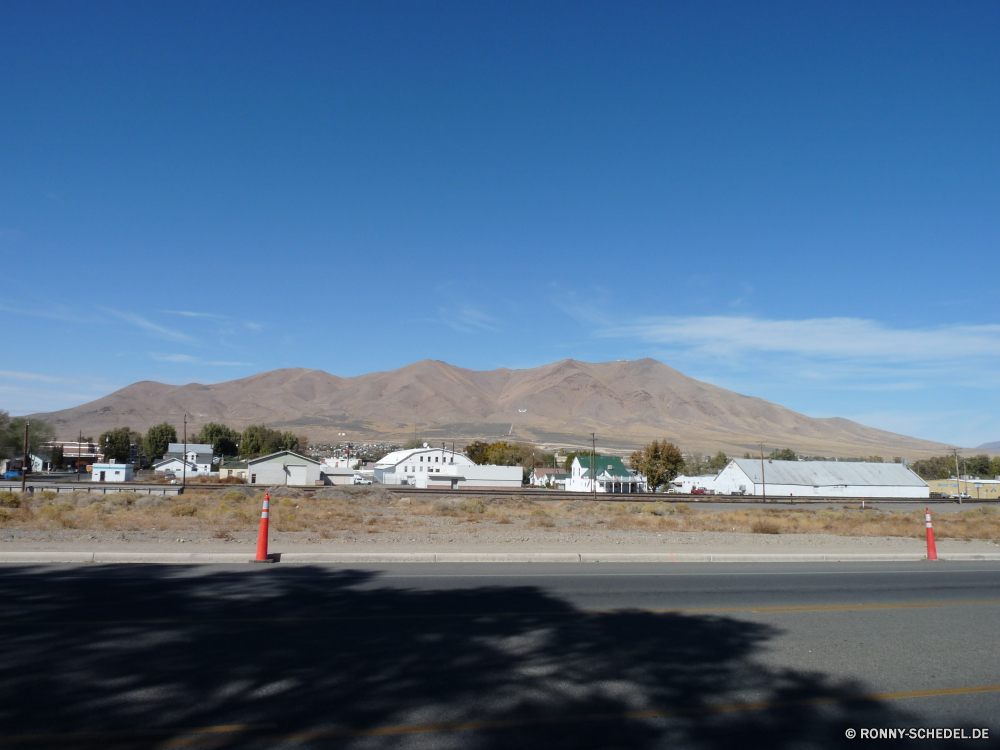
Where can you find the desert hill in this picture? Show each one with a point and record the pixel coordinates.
(625, 403)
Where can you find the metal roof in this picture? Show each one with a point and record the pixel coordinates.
(191, 448)
(610, 465)
(829, 473)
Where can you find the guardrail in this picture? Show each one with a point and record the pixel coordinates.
(104, 488)
(533, 492)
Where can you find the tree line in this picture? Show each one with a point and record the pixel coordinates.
(255, 440)
(943, 467)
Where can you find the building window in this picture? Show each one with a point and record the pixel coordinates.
(421, 459)
(435, 459)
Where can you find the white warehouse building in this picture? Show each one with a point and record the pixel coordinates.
(428, 468)
(819, 479)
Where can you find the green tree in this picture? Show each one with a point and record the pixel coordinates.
(223, 439)
(158, 439)
(503, 453)
(783, 454)
(718, 462)
(659, 462)
(57, 459)
(115, 443)
(258, 440)
(876, 460)
(12, 435)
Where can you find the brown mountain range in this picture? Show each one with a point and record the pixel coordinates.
(558, 405)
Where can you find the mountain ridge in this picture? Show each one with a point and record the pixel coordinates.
(626, 403)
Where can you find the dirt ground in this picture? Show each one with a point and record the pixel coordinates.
(369, 518)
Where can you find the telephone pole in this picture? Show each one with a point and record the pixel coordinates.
(958, 478)
(184, 456)
(763, 484)
(593, 463)
(24, 465)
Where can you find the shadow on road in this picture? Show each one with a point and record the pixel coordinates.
(138, 657)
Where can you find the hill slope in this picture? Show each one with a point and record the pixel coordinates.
(625, 403)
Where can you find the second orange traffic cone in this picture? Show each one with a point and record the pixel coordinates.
(931, 548)
(262, 536)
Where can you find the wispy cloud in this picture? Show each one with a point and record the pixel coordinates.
(188, 359)
(834, 338)
(157, 330)
(47, 312)
(33, 377)
(189, 314)
(467, 319)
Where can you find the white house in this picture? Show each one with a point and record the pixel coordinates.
(112, 473)
(549, 477)
(284, 467)
(442, 468)
(198, 455)
(178, 467)
(819, 479)
(611, 476)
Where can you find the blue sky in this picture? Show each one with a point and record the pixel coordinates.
(795, 201)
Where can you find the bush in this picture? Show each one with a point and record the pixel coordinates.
(474, 505)
(764, 526)
(183, 510)
(9, 500)
(234, 497)
(5, 515)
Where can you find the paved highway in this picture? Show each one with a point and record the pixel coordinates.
(496, 656)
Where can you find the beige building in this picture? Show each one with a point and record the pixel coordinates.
(237, 469)
(977, 489)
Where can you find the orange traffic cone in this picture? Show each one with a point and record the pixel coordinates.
(931, 548)
(262, 535)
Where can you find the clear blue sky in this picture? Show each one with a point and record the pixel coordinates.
(796, 201)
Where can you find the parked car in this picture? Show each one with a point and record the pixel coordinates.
(358, 479)
(738, 492)
(12, 475)
(699, 491)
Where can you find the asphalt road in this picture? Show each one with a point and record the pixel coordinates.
(497, 656)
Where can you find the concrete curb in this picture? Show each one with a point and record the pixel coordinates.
(358, 558)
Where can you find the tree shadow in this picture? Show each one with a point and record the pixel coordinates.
(137, 657)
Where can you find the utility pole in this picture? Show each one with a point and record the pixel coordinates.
(79, 455)
(763, 484)
(184, 456)
(958, 478)
(593, 463)
(24, 465)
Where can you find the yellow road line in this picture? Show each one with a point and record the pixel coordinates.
(486, 725)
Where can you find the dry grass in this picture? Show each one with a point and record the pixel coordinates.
(328, 512)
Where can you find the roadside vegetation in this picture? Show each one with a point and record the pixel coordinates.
(329, 512)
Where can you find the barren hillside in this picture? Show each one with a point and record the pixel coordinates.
(625, 403)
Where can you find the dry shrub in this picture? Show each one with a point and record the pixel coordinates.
(473, 505)
(5, 515)
(539, 513)
(48, 495)
(233, 497)
(9, 500)
(682, 508)
(183, 510)
(764, 526)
